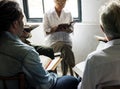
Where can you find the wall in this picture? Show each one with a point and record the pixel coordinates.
(84, 40)
(90, 10)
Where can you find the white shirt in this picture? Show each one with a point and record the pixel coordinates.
(102, 67)
(51, 19)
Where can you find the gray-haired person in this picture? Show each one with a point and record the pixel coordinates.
(103, 65)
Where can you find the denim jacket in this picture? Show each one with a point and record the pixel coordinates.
(15, 56)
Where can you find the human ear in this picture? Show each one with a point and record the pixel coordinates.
(13, 27)
(15, 24)
(106, 37)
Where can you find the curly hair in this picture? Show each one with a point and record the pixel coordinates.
(9, 12)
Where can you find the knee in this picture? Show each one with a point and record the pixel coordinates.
(71, 79)
(72, 82)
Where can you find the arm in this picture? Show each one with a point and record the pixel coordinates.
(67, 27)
(70, 29)
(46, 25)
(35, 72)
(89, 77)
(61, 27)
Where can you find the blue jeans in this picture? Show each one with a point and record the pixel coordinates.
(66, 82)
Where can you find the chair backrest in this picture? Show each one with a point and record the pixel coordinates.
(111, 87)
(20, 77)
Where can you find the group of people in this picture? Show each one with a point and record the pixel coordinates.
(16, 56)
(102, 66)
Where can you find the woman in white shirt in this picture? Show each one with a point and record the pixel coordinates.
(58, 37)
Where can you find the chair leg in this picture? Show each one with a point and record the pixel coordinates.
(4, 84)
(22, 81)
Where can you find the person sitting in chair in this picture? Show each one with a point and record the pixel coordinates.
(103, 65)
(42, 50)
(16, 56)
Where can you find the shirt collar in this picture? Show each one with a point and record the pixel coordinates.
(11, 36)
(62, 12)
(113, 42)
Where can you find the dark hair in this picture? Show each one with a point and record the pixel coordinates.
(9, 12)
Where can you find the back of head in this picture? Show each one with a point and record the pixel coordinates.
(110, 18)
(9, 12)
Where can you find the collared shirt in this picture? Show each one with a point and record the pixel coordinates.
(15, 56)
(51, 19)
(102, 66)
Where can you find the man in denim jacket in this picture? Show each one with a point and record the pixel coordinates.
(15, 56)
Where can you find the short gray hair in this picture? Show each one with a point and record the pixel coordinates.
(110, 18)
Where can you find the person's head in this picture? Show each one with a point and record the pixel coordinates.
(59, 4)
(11, 17)
(110, 19)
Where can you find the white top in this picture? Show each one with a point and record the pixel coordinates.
(51, 19)
(102, 67)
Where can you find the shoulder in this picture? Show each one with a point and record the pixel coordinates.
(67, 14)
(66, 11)
(25, 47)
(22, 48)
(50, 11)
(27, 52)
(95, 57)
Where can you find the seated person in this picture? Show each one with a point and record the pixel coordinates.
(42, 50)
(57, 25)
(103, 65)
(16, 56)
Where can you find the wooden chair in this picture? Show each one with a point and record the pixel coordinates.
(111, 84)
(111, 87)
(20, 77)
